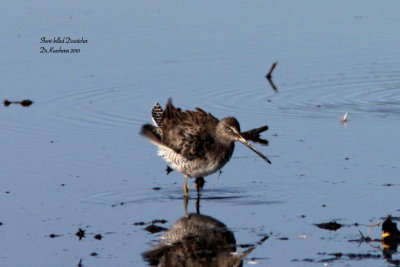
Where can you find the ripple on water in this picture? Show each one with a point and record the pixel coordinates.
(97, 108)
(231, 195)
(361, 90)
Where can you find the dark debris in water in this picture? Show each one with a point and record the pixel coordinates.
(80, 233)
(258, 243)
(340, 256)
(162, 221)
(331, 226)
(152, 228)
(304, 260)
(24, 103)
(262, 240)
(246, 246)
(54, 235)
(118, 204)
(168, 170)
(351, 256)
(363, 239)
(388, 185)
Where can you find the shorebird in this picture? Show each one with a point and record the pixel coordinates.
(194, 143)
(390, 235)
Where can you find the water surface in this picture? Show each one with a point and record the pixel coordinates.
(74, 158)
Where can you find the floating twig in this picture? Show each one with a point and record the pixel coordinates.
(364, 238)
(269, 76)
(271, 83)
(24, 103)
(271, 69)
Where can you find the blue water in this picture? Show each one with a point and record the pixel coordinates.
(74, 158)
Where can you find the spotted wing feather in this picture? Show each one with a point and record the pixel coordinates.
(156, 115)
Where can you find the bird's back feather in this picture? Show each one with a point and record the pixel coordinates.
(187, 132)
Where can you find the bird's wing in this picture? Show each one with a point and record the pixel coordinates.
(152, 133)
(187, 132)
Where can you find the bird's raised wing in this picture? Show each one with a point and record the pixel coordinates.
(187, 132)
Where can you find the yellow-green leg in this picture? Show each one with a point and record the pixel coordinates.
(185, 203)
(185, 188)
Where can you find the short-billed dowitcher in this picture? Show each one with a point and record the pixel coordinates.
(194, 143)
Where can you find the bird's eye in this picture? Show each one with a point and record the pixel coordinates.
(229, 129)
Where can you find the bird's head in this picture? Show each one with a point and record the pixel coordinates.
(228, 131)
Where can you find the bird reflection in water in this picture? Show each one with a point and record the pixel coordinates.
(196, 240)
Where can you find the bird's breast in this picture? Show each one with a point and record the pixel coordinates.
(197, 167)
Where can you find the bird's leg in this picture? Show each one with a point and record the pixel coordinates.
(185, 203)
(198, 204)
(199, 185)
(185, 188)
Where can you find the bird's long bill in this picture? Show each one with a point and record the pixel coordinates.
(244, 142)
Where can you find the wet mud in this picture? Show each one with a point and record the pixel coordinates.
(331, 226)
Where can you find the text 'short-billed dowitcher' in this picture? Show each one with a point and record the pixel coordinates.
(194, 143)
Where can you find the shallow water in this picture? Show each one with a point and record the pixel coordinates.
(74, 158)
